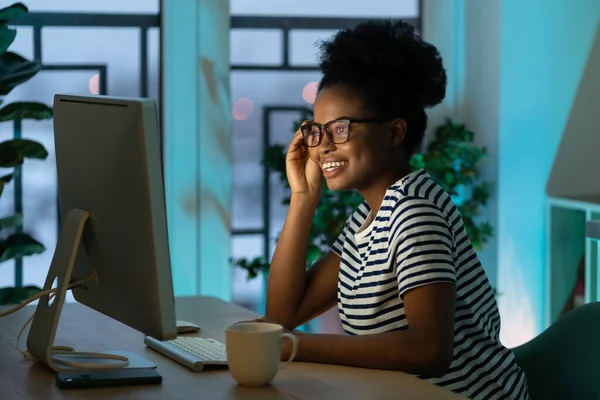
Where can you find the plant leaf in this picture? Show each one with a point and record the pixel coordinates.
(14, 70)
(12, 12)
(7, 37)
(30, 148)
(19, 244)
(11, 222)
(253, 267)
(3, 181)
(6, 178)
(452, 160)
(25, 110)
(13, 152)
(10, 156)
(14, 295)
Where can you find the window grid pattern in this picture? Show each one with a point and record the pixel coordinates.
(38, 21)
(285, 25)
(144, 22)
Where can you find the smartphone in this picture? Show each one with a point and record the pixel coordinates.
(106, 378)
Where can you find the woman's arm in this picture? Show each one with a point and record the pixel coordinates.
(295, 295)
(426, 348)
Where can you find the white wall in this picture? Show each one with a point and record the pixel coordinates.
(544, 49)
(516, 66)
(443, 26)
(467, 34)
(480, 107)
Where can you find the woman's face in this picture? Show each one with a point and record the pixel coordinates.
(365, 157)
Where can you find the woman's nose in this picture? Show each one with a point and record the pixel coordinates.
(326, 145)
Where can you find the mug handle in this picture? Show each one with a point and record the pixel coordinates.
(294, 340)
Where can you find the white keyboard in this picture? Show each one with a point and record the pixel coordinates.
(191, 351)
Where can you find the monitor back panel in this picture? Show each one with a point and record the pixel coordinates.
(109, 163)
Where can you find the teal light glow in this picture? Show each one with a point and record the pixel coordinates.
(196, 144)
(544, 49)
(513, 71)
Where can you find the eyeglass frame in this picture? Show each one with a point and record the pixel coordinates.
(324, 128)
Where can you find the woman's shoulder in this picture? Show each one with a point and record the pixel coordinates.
(358, 217)
(416, 190)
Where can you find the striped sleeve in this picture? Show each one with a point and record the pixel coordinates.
(351, 226)
(338, 246)
(424, 248)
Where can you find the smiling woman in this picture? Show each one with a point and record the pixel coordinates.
(410, 289)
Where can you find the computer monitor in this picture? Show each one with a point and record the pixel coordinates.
(112, 201)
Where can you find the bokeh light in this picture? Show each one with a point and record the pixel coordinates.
(309, 93)
(242, 109)
(95, 84)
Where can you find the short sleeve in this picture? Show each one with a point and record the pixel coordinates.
(424, 248)
(351, 226)
(338, 246)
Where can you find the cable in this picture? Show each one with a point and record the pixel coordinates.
(57, 351)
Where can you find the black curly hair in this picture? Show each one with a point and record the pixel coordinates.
(391, 68)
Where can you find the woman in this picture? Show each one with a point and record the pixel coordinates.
(411, 292)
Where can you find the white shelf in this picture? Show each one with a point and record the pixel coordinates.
(592, 230)
(573, 201)
(573, 225)
(584, 203)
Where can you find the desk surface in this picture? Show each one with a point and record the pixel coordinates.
(87, 330)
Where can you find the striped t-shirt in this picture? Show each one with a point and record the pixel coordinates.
(418, 238)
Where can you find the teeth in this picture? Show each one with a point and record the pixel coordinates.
(333, 165)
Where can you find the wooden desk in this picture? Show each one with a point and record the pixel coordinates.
(85, 329)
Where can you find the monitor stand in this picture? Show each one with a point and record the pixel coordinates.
(40, 339)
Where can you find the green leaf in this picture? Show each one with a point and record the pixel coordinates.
(13, 152)
(3, 181)
(313, 253)
(10, 156)
(13, 295)
(14, 70)
(30, 148)
(11, 222)
(25, 110)
(19, 245)
(253, 267)
(452, 160)
(7, 37)
(12, 12)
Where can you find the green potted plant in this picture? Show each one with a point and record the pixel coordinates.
(452, 160)
(15, 70)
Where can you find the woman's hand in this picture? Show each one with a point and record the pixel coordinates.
(304, 175)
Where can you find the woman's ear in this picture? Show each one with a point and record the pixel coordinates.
(398, 131)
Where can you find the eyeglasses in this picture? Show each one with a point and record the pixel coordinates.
(337, 131)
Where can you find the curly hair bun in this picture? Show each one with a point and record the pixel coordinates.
(385, 54)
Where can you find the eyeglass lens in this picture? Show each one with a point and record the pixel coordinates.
(336, 131)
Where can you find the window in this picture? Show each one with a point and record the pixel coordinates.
(273, 77)
(83, 53)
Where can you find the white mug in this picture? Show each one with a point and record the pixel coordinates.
(254, 351)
